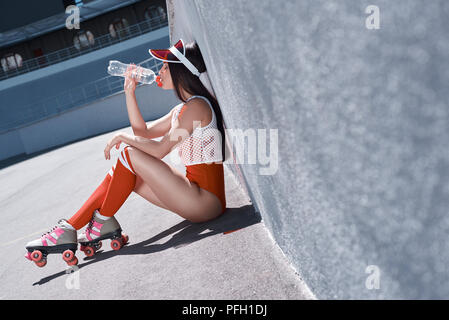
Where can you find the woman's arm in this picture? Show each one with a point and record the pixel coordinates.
(135, 117)
(149, 146)
(146, 145)
(156, 128)
(181, 130)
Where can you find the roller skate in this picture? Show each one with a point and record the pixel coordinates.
(60, 239)
(101, 228)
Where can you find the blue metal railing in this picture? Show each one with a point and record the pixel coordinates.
(100, 42)
(70, 99)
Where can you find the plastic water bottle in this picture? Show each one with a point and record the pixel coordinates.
(144, 75)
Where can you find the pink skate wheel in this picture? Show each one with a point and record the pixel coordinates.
(68, 255)
(41, 263)
(116, 244)
(73, 262)
(36, 256)
(89, 251)
(28, 256)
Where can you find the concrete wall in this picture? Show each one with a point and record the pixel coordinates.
(363, 127)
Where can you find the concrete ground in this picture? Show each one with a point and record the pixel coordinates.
(167, 257)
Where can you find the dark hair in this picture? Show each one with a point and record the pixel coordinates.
(182, 77)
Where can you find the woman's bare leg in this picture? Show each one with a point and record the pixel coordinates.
(173, 189)
(144, 190)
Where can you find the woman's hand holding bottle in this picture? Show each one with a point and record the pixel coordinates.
(130, 81)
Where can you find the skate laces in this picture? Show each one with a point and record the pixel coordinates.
(48, 232)
(89, 226)
(54, 228)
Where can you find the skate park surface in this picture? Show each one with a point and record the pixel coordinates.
(231, 257)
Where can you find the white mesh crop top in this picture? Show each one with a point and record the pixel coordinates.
(204, 144)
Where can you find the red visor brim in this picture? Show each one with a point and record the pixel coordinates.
(165, 54)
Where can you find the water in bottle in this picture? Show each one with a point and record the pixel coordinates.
(143, 75)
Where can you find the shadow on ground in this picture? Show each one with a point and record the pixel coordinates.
(184, 233)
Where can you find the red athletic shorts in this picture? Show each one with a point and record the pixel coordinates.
(209, 177)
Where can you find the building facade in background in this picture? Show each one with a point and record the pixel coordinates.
(37, 35)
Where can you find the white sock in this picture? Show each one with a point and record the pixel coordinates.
(99, 216)
(66, 224)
